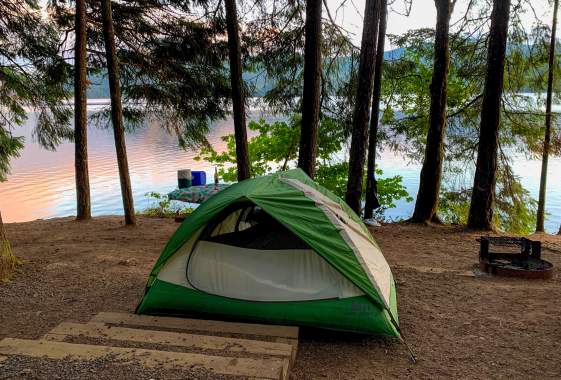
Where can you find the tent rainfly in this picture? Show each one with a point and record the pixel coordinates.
(277, 249)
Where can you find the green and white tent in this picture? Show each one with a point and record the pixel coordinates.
(277, 249)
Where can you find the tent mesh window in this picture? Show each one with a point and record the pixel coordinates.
(249, 226)
(244, 253)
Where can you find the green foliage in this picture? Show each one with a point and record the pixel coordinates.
(32, 75)
(162, 207)
(9, 148)
(454, 206)
(275, 147)
(515, 210)
(334, 178)
(406, 97)
(273, 49)
(390, 189)
(171, 63)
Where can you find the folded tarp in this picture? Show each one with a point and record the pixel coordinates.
(196, 194)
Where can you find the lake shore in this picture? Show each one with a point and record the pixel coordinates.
(42, 183)
(459, 324)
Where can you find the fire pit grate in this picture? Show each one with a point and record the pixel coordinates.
(518, 257)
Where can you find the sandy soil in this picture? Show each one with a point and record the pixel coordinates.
(459, 325)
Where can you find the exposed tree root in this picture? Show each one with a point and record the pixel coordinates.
(435, 220)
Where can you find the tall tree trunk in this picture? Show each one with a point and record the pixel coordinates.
(359, 140)
(8, 260)
(371, 184)
(547, 137)
(426, 205)
(117, 112)
(311, 95)
(483, 194)
(238, 98)
(83, 203)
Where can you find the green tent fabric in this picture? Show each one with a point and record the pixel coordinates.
(341, 257)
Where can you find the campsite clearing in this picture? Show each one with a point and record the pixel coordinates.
(459, 325)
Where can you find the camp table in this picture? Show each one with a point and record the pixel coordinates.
(196, 194)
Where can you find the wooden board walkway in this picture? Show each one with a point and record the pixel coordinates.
(264, 352)
(197, 325)
(281, 334)
(205, 342)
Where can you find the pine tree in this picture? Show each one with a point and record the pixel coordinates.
(359, 140)
(179, 74)
(117, 112)
(83, 202)
(312, 83)
(238, 98)
(548, 118)
(483, 193)
(426, 205)
(371, 184)
(170, 63)
(32, 75)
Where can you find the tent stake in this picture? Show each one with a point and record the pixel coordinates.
(411, 353)
(402, 338)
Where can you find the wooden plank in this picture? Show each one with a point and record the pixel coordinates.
(293, 343)
(271, 368)
(99, 330)
(197, 325)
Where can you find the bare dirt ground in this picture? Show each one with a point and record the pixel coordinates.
(460, 326)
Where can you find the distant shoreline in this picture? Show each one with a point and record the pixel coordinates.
(97, 101)
(254, 103)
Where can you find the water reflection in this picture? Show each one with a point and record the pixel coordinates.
(41, 184)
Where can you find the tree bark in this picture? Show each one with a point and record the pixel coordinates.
(311, 95)
(483, 194)
(371, 183)
(83, 203)
(117, 111)
(359, 140)
(6, 265)
(426, 205)
(8, 261)
(238, 98)
(547, 138)
(5, 248)
(2, 230)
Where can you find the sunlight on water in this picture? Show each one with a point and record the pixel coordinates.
(41, 184)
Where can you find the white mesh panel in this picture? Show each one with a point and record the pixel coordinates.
(265, 275)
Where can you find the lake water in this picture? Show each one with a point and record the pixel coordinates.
(41, 184)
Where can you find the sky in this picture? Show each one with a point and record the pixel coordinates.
(422, 15)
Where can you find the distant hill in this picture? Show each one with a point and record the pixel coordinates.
(99, 85)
